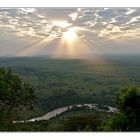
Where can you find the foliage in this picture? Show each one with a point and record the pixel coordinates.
(71, 120)
(82, 123)
(128, 116)
(65, 82)
(14, 93)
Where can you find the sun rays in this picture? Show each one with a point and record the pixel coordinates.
(63, 39)
(68, 45)
(71, 45)
(35, 47)
(70, 32)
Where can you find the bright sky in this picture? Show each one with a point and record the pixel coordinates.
(69, 32)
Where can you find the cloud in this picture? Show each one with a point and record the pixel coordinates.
(100, 24)
(39, 21)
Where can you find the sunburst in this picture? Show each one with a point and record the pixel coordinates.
(69, 35)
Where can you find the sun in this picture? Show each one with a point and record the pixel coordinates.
(69, 35)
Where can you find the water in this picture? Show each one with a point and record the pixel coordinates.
(60, 110)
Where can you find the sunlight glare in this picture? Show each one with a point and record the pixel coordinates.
(62, 24)
(69, 35)
(73, 16)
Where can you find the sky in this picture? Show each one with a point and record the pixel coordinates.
(69, 32)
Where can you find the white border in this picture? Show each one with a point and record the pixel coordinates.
(69, 3)
(69, 136)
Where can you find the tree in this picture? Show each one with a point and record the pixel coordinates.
(13, 93)
(82, 123)
(128, 116)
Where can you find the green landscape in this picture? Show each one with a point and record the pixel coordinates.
(30, 87)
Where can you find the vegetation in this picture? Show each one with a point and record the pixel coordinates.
(128, 116)
(80, 81)
(71, 120)
(60, 83)
(14, 94)
(82, 123)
